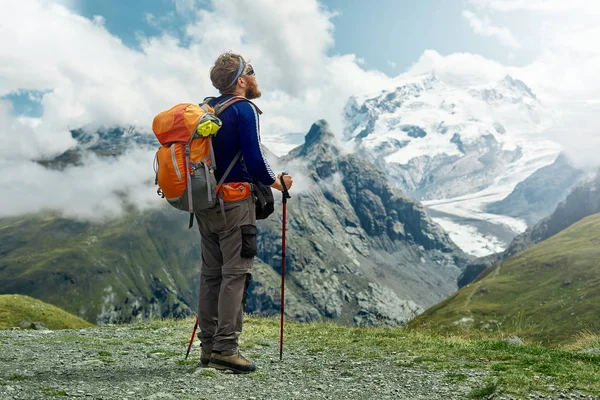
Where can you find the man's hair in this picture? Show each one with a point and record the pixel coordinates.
(224, 71)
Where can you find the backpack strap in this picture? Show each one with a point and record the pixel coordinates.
(229, 168)
(219, 108)
(222, 180)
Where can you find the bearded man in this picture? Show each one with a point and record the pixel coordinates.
(229, 241)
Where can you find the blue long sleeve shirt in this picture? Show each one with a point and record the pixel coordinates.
(240, 130)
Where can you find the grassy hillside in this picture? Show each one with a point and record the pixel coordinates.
(132, 267)
(549, 293)
(15, 309)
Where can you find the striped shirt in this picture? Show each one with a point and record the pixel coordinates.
(240, 130)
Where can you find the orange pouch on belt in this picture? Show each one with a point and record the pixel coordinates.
(234, 191)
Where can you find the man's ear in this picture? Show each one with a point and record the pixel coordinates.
(241, 82)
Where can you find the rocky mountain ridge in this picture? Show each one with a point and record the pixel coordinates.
(358, 251)
(458, 147)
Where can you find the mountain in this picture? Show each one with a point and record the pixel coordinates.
(539, 195)
(457, 147)
(106, 142)
(361, 251)
(136, 267)
(583, 201)
(358, 251)
(547, 293)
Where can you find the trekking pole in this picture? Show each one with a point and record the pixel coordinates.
(285, 195)
(192, 339)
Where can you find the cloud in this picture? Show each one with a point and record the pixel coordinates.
(483, 26)
(98, 190)
(97, 81)
(460, 69)
(547, 6)
(565, 74)
(185, 7)
(578, 131)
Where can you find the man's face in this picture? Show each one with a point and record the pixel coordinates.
(249, 77)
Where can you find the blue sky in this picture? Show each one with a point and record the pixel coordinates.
(389, 35)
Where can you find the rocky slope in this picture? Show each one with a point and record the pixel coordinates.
(358, 251)
(538, 196)
(457, 147)
(361, 251)
(583, 201)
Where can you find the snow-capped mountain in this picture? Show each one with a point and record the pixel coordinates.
(456, 148)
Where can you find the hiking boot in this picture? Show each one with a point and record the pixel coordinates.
(204, 357)
(235, 362)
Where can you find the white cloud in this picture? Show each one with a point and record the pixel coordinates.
(548, 6)
(98, 190)
(184, 7)
(96, 80)
(461, 69)
(565, 75)
(578, 131)
(484, 27)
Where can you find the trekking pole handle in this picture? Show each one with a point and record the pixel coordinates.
(286, 194)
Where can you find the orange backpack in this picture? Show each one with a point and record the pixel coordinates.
(185, 163)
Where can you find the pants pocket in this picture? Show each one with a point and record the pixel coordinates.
(248, 241)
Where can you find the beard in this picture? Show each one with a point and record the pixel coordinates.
(252, 91)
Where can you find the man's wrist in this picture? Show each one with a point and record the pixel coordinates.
(276, 184)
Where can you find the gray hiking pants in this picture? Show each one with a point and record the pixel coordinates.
(228, 250)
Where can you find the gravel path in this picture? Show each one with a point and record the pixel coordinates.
(137, 363)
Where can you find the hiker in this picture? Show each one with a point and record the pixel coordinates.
(229, 241)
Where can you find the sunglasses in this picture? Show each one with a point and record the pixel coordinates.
(249, 71)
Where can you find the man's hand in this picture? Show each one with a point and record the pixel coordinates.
(287, 179)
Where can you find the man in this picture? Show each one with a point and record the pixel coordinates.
(229, 241)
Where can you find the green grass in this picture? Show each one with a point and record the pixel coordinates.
(188, 362)
(53, 392)
(455, 377)
(166, 353)
(141, 341)
(209, 372)
(17, 308)
(547, 294)
(485, 391)
(513, 369)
